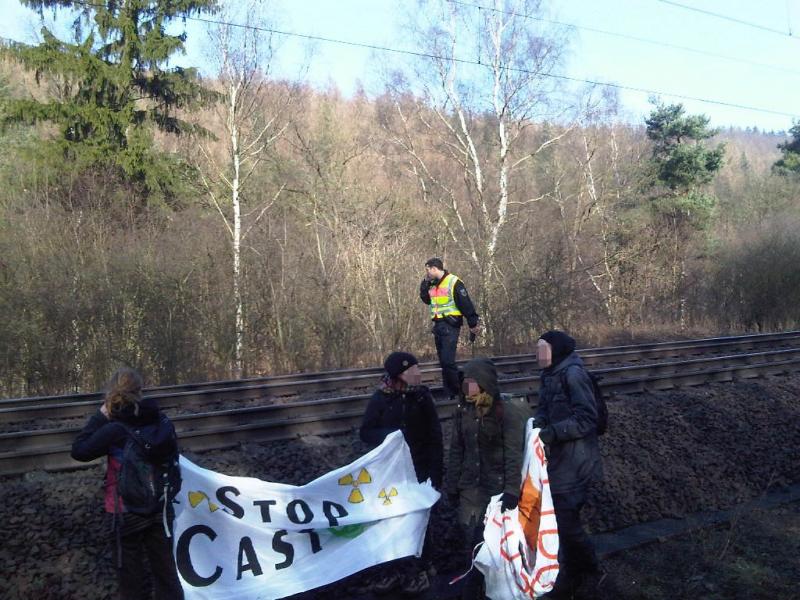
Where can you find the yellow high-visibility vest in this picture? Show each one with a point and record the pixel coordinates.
(443, 303)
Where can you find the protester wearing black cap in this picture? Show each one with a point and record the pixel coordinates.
(401, 402)
(567, 416)
(449, 304)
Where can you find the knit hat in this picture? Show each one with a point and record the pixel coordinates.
(398, 362)
(562, 344)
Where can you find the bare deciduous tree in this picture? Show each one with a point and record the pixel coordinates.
(481, 119)
(253, 113)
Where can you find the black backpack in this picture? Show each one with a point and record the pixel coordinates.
(146, 487)
(599, 398)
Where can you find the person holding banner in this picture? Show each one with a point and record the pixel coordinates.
(402, 403)
(486, 452)
(567, 416)
(139, 539)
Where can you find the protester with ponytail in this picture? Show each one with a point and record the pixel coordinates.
(139, 539)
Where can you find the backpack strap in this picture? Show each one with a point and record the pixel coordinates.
(565, 384)
(563, 378)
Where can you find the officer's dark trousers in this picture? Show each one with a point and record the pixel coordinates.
(143, 540)
(576, 555)
(446, 337)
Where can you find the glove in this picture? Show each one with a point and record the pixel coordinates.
(539, 423)
(547, 435)
(508, 502)
(453, 499)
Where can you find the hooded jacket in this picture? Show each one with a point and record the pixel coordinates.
(574, 456)
(413, 412)
(106, 437)
(486, 452)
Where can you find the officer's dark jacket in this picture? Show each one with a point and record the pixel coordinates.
(574, 457)
(486, 453)
(413, 412)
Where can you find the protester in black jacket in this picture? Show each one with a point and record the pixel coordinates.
(136, 536)
(401, 403)
(567, 416)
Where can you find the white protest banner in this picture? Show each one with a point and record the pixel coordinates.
(243, 538)
(519, 556)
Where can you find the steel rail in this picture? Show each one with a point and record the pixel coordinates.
(49, 449)
(66, 406)
(269, 391)
(283, 411)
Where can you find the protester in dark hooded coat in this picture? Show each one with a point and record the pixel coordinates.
(402, 403)
(567, 416)
(486, 452)
(136, 536)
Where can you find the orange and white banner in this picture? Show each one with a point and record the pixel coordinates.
(519, 556)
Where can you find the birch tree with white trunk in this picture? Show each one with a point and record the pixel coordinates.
(472, 130)
(252, 114)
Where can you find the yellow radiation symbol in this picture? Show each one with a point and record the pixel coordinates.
(195, 498)
(387, 496)
(355, 494)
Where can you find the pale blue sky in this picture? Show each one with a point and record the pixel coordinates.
(771, 84)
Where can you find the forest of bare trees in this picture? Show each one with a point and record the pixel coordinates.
(296, 221)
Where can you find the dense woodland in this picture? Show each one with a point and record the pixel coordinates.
(239, 224)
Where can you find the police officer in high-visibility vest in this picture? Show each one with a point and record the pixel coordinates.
(449, 304)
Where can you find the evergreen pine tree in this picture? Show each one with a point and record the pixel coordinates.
(113, 86)
(682, 162)
(789, 163)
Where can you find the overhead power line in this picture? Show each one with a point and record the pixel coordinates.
(626, 36)
(731, 19)
(464, 61)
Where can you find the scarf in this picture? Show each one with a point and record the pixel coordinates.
(482, 402)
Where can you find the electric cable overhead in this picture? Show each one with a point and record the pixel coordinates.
(463, 61)
(731, 19)
(626, 36)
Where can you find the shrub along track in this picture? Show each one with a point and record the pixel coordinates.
(668, 454)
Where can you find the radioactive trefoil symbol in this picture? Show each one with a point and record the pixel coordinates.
(387, 496)
(355, 494)
(195, 498)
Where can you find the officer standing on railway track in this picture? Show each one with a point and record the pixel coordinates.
(402, 403)
(567, 415)
(449, 303)
(138, 539)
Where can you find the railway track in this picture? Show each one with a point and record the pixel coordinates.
(302, 385)
(48, 449)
